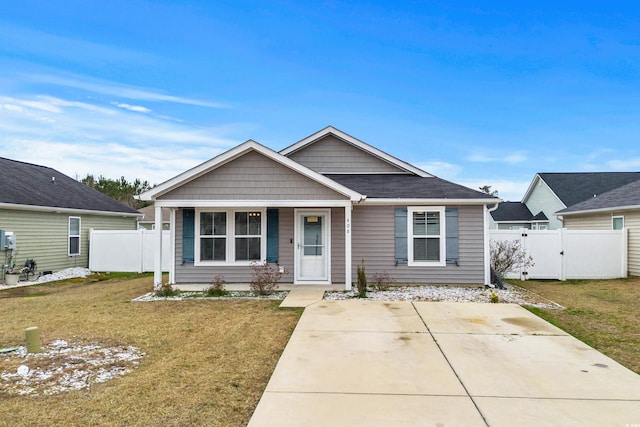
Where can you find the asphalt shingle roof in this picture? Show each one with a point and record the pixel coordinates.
(627, 195)
(512, 211)
(406, 186)
(575, 187)
(28, 184)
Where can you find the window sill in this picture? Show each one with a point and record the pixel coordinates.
(427, 264)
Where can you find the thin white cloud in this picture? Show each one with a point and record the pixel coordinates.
(136, 108)
(78, 138)
(441, 169)
(116, 90)
(508, 158)
(625, 165)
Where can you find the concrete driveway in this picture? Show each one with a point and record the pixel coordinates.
(366, 363)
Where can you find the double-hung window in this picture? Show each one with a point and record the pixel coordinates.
(74, 235)
(426, 236)
(617, 222)
(230, 236)
(213, 236)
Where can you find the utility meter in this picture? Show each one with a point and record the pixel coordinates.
(10, 241)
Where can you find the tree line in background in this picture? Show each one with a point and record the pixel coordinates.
(119, 189)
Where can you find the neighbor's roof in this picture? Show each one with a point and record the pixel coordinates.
(383, 186)
(149, 213)
(625, 197)
(27, 184)
(575, 187)
(512, 211)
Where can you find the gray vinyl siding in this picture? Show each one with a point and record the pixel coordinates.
(253, 177)
(188, 273)
(603, 221)
(373, 240)
(543, 199)
(44, 237)
(333, 155)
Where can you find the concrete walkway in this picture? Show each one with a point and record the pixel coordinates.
(366, 363)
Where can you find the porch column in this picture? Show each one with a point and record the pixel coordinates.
(172, 248)
(157, 271)
(347, 247)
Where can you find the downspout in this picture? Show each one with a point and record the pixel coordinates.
(487, 253)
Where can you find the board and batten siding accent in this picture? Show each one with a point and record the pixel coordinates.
(602, 221)
(373, 239)
(333, 155)
(252, 177)
(44, 236)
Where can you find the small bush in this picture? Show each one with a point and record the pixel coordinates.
(381, 281)
(494, 297)
(217, 288)
(265, 277)
(362, 281)
(166, 290)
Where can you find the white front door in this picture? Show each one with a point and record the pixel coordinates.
(312, 246)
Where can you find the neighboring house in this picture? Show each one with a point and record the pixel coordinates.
(318, 208)
(50, 215)
(148, 220)
(550, 192)
(615, 209)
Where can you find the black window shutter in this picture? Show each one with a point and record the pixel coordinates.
(188, 234)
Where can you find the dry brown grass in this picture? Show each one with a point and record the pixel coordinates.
(601, 313)
(207, 361)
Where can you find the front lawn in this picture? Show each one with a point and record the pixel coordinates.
(206, 363)
(601, 313)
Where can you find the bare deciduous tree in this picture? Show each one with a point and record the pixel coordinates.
(507, 256)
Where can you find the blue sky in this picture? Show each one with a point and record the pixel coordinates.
(477, 94)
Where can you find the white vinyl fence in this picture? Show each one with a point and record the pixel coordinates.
(570, 254)
(127, 250)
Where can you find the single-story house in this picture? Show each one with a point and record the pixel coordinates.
(549, 193)
(613, 210)
(318, 208)
(148, 220)
(50, 215)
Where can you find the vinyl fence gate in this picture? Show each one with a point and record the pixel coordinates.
(127, 250)
(569, 254)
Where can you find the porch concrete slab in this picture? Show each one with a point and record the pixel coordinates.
(302, 297)
(501, 412)
(363, 362)
(547, 367)
(477, 318)
(362, 316)
(321, 409)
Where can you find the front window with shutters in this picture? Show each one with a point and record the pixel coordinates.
(426, 236)
(230, 236)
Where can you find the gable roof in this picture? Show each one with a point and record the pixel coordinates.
(382, 186)
(621, 198)
(575, 187)
(40, 187)
(239, 151)
(330, 130)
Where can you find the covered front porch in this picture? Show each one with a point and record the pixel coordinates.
(310, 240)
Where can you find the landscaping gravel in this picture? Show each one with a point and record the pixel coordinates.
(512, 295)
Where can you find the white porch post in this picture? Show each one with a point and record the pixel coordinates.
(487, 253)
(172, 248)
(157, 271)
(347, 247)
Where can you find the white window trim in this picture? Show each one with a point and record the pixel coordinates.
(613, 218)
(443, 237)
(230, 237)
(79, 235)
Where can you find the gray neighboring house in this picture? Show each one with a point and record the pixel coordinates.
(148, 220)
(50, 215)
(318, 208)
(549, 193)
(613, 210)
